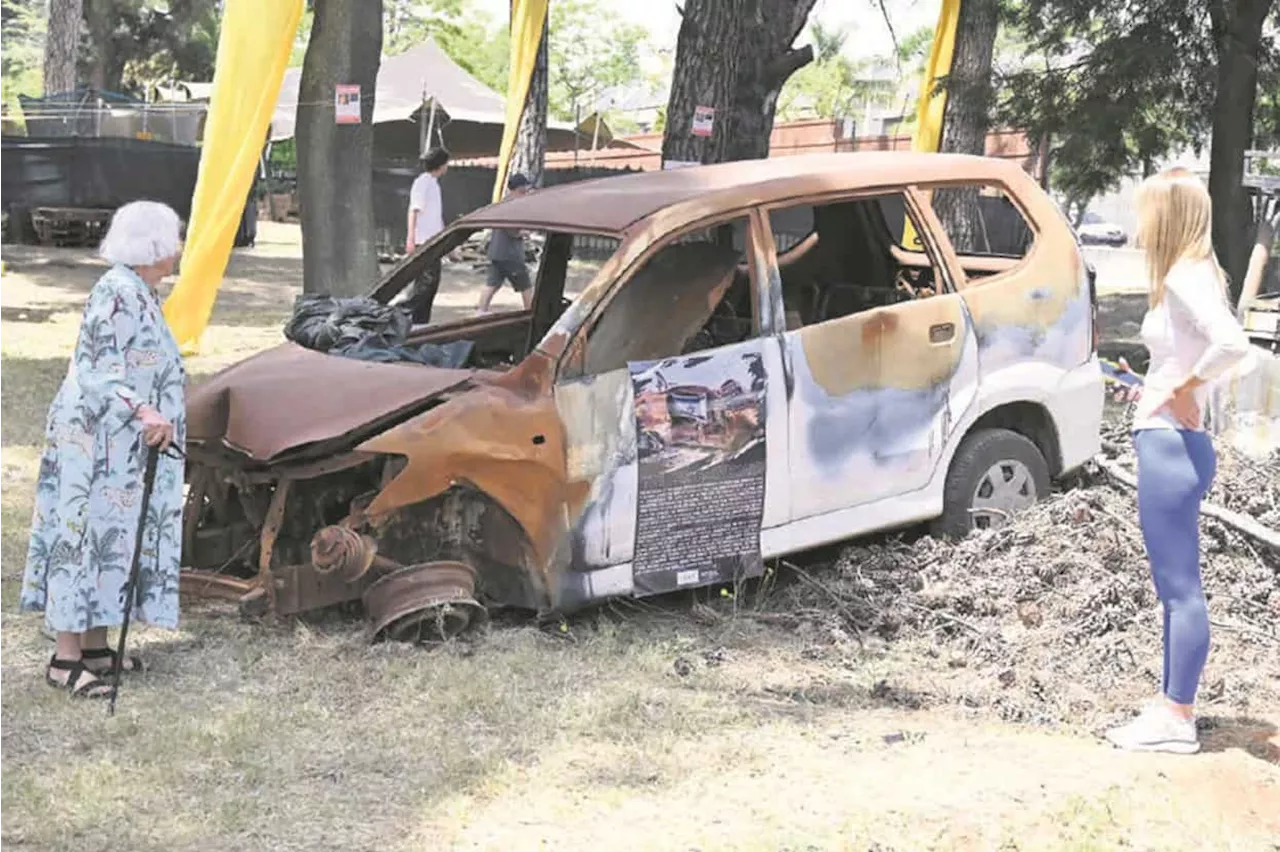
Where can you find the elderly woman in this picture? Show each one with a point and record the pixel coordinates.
(122, 394)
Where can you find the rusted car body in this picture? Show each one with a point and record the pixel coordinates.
(883, 381)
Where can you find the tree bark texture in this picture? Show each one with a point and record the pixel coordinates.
(105, 67)
(335, 161)
(967, 117)
(61, 46)
(766, 61)
(1237, 26)
(530, 152)
(708, 48)
(100, 18)
(733, 56)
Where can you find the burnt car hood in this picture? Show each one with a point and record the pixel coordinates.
(288, 397)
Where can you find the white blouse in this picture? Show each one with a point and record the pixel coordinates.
(1191, 332)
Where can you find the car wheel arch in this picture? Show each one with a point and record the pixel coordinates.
(469, 525)
(1030, 419)
(1000, 462)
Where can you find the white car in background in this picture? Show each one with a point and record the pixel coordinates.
(1094, 230)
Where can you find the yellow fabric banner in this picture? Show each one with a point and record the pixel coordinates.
(253, 51)
(932, 105)
(527, 19)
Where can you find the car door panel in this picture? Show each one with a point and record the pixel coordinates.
(600, 456)
(601, 424)
(1039, 313)
(876, 397)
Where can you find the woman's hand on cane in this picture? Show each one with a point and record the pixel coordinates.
(157, 431)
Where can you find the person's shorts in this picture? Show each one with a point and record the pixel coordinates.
(509, 270)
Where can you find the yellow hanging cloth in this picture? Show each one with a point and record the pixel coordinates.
(253, 51)
(932, 105)
(527, 19)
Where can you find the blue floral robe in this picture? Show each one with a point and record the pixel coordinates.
(88, 498)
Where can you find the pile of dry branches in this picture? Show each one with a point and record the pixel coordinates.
(1053, 617)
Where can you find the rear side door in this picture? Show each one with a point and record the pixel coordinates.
(674, 411)
(1023, 281)
(880, 348)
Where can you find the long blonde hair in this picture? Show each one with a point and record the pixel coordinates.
(1175, 217)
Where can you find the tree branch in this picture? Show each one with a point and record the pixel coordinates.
(893, 36)
(800, 13)
(783, 67)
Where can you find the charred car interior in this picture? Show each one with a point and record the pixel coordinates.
(254, 506)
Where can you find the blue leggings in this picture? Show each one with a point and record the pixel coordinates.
(1175, 470)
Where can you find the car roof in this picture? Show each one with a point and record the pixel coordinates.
(611, 205)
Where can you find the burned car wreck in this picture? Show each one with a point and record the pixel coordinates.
(770, 356)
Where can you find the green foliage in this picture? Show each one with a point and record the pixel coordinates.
(144, 42)
(833, 85)
(301, 37)
(470, 37)
(1115, 87)
(591, 50)
(914, 48)
(22, 26)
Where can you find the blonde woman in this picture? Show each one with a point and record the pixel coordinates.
(124, 391)
(1193, 338)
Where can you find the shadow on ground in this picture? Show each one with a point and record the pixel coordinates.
(1256, 737)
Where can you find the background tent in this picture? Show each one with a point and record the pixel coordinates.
(469, 115)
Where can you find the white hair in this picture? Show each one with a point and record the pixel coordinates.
(142, 233)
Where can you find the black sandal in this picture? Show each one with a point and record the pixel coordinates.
(133, 663)
(94, 688)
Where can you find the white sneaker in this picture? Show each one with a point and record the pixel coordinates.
(1157, 728)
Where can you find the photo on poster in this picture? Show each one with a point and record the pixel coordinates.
(700, 430)
(346, 103)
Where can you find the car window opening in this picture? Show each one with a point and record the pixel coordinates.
(559, 266)
(691, 295)
(845, 257)
(986, 229)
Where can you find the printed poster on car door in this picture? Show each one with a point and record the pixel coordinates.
(700, 441)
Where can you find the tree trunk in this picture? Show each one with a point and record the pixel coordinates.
(706, 74)
(1237, 28)
(98, 14)
(61, 46)
(335, 161)
(967, 117)
(732, 56)
(531, 140)
(766, 61)
(968, 86)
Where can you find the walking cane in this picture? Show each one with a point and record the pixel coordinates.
(131, 586)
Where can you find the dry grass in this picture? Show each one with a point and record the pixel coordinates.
(267, 737)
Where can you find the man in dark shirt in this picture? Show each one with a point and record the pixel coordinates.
(506, 256)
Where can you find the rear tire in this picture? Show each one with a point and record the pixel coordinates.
(995, 474)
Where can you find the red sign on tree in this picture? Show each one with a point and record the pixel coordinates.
(704, 120)
(346, 103)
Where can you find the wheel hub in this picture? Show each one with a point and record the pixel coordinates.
(1005, 489)
(430, 601)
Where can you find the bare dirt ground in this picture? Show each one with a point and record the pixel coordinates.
(689, 725)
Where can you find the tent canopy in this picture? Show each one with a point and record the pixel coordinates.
(425, 74)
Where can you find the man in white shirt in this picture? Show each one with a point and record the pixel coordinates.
(426, 219)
